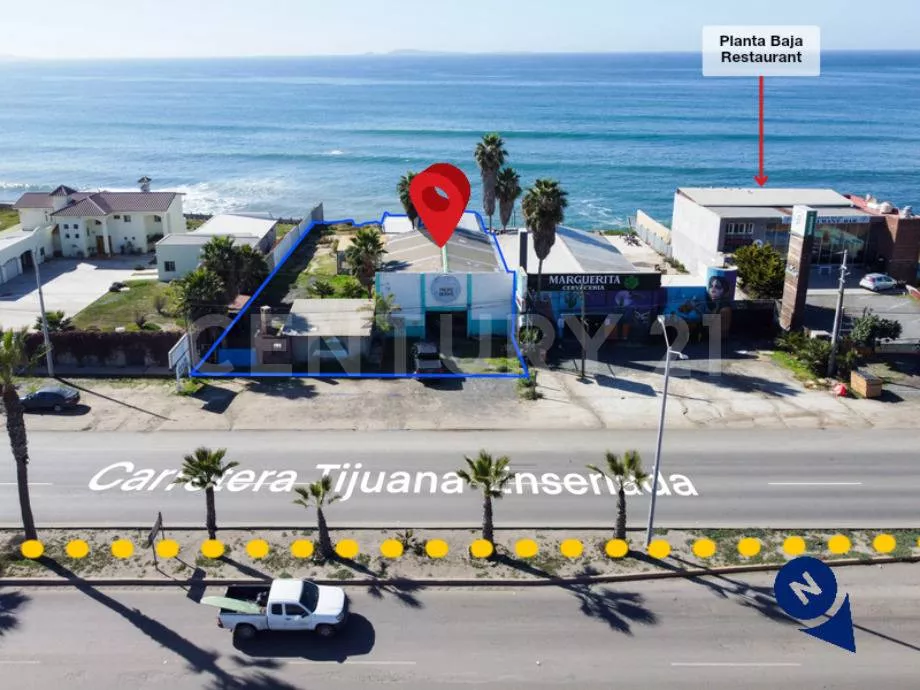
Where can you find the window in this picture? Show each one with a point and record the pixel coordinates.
(117, 217)
(739, 229)
(66, 234)
(66, 226)
(127, 219)
(169, 266)
(76, 235)
(157, 219)
(276, 610)
(294, 610)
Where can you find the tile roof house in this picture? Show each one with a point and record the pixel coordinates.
(103, 223)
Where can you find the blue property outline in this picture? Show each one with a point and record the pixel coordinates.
(197, 373)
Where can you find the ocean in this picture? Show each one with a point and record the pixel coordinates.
(619, 131)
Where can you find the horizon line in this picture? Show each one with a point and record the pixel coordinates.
(402, 52)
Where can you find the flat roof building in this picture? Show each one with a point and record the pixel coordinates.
(710, 223)
(180, 254)
(465, 284)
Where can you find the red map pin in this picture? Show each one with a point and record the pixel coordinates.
(439, 214)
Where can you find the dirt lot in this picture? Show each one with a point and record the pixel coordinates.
(745, 391)
(415, 563)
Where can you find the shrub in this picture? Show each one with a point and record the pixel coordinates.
(527, 387)
(140, 318)
(322, 288)
(353, 290)
(159, 303)
(761, 270)
(868, 329)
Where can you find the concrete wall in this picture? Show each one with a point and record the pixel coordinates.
(491, 303)
(653, 233)
(185, 257)
(174, 220)
(33, 217)
(695, 236)
(406, 289)
(73, 235)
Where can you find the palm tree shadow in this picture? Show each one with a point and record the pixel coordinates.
(246, 569)
(618, 609)
(400, 588)
(756, 597)
(199, 660)
(10, 603)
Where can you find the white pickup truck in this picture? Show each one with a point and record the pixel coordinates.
(287, 605)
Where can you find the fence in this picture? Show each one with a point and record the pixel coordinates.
(284, 245)
(106, 349)
(653, 233)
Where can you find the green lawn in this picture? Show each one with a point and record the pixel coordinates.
(116, 309)
(194, 224)
(282, 230)
(788, 361)
(8, 218)
(322, 267)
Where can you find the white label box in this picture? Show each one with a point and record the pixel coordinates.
(761, 51)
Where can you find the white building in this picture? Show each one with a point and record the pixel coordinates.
(84, 224)
(16, 251)
(710, 223)
(180, 254)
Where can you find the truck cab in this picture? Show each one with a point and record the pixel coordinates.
(285, 605)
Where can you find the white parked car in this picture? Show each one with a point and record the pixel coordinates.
(878, 282)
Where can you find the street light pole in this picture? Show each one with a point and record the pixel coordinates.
(49, 358)
(838, 317)
(664, 402)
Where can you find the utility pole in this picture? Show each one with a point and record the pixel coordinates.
(49, 358)
(584, 334)
(838, 317)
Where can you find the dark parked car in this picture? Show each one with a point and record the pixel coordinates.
(55, 398)
(427, 359)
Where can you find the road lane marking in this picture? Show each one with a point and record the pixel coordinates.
(734, 664)
(814, 483)
(354, 663)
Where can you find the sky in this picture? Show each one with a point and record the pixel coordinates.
(214, 28)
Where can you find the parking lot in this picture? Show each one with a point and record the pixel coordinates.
(68, 285)
(894, 304)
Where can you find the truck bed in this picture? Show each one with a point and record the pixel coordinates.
(246, 592)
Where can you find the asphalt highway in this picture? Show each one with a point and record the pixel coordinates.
(721, 633)
(749, 478)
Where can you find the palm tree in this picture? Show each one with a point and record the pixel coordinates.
(364, 256)
(507, 189)
(319, 495)
(491, 476)
(13, 356)
(383, 309)
(543, 207)
(252, 269)
(199, 293)
(220, 256)
(621, 471)
(490, 156)
(403, 190)
(203, 470)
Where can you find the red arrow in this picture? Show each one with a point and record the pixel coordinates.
(761, 179)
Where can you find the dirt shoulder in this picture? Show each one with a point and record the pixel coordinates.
(554, 553)
(746, 391)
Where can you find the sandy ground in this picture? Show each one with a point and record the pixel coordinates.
(747, 393)
(415, 563)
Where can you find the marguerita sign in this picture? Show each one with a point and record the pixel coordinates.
(353, 480)
(596, 281)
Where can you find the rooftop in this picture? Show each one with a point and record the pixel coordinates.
(236, 226)
(575, 251)
(469, 250)
(98, 203)
(196, 239)
(763, 196)
(329, 317)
